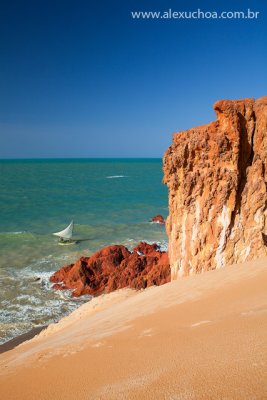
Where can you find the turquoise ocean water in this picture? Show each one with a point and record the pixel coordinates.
(110, 201)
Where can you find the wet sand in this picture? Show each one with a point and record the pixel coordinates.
(12, 343)
(202, 337)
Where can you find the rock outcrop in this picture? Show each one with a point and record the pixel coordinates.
(217, 176)
(115, 267)
(158, 219)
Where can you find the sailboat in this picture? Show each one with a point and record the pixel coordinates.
(65, 236)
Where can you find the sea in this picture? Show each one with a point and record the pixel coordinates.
(111, 201)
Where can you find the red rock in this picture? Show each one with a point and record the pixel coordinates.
(159, 219)
(217, 176)
(114, 267)
(147, 249)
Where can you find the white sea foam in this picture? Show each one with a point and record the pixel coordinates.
(162, 245)
(116, 176)
(14, 233)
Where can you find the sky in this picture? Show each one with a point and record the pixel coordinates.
(85, 79)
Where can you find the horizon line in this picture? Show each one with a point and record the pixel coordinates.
(76, 158)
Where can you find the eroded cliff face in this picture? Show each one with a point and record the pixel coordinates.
(217, 177)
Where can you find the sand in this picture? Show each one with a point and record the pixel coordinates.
(202, 337)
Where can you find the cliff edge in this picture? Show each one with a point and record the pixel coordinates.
(217, 177)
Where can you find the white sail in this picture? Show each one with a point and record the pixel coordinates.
(66, 233)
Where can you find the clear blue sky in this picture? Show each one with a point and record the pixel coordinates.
(83, 79)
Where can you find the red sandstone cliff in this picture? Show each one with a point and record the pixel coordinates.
(217, 176)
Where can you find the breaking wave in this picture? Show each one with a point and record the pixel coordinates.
(36, 304)
(116, 176)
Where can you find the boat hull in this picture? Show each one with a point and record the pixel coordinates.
(67, 243)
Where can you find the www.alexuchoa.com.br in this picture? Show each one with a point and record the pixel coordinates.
(197, 14)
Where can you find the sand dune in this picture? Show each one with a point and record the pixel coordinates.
(202, 337)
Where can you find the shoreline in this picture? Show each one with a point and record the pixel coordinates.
(177, 339)
(24, 337)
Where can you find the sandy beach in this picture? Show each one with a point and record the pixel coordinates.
(201, 337)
